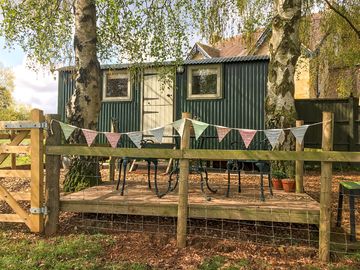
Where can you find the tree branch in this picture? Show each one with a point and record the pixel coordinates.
(344, 17)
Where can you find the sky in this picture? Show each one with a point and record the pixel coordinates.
(36, 89)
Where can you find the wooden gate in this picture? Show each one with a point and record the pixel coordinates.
(20, 130)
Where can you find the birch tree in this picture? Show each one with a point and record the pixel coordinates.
(81, 32)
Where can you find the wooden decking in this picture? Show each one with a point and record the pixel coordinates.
(139, 200)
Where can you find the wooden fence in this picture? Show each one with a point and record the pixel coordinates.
(54, 150)
(33, 218)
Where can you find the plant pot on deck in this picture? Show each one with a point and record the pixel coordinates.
(277, 184)
(288, 185)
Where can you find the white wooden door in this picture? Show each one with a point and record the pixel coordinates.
(157, 104)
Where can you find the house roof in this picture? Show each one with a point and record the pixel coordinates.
(238, 45)
(256, 43)
(215, 60)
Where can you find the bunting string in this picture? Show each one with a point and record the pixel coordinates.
(273, 135)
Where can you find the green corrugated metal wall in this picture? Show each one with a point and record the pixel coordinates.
(126, 112)
(242, 105)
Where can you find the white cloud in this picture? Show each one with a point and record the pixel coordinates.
(37, 89)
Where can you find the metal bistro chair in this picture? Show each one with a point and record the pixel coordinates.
(125, 160)
(197, 167)
(240, 165)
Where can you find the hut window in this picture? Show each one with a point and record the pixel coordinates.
(116, 86)
(204, 82)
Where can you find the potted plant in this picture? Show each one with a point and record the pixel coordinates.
(289, 182)
(276, 179)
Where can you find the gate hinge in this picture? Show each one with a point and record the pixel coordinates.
(25, 125)
(39, 211)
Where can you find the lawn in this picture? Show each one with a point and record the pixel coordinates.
(135, 251)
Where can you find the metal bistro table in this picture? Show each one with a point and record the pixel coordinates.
(123, 162)
(239, 165)
(197, 166)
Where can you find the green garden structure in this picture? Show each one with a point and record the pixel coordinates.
(353, 190)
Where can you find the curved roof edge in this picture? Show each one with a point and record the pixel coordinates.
(215, 60)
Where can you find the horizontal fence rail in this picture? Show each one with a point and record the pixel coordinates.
(204, 154)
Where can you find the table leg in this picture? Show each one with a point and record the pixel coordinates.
(202, 186)
(270, 184)
(352, 216)
(262, 196)
(155, 178)
(207, 182)
(228, 165)
(239, 176)
(340, 206)
(119, 175)
(148, 171)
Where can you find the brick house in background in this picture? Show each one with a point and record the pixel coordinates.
(323, 82)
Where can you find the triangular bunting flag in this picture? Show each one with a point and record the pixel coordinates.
(179, 126)
(90, 135)
(222, 132)
(113, 138)
(247, 135)
(199, 128)
(158, 133)
(273, 136)
(299, 133)
(67, 129)
(136, 138)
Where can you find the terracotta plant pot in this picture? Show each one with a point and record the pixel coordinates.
(288, 185)
(277, 184)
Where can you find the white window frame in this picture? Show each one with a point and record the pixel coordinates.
(116, 74)
(217, 95)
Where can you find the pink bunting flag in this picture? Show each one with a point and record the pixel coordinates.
(222, 132)
(90, 135)
(113, 138)
(247, 135)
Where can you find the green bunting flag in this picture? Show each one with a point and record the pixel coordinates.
(67, 129)
(158, 133)
(299, 133)
(199, 128)
(179, 126)
(136, 138)
(273, 136)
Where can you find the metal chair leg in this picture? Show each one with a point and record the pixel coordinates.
(340, 206)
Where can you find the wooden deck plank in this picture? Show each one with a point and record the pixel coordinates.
(138, 200)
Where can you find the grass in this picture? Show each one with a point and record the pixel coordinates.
(63, 252)
(20, 159)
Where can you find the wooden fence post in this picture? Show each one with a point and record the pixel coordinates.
(52, 165)
(183, 187)
(37, 172)
(325, 189)
(114, 128)
(299, 164)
